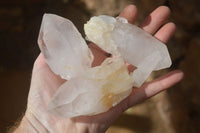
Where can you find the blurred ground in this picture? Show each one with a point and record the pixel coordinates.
(174, 111)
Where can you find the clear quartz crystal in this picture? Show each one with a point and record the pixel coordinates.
(96, 91)
(65, 51)
(93, 90)
(136, 46)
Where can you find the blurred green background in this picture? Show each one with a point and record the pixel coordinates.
(176, 110)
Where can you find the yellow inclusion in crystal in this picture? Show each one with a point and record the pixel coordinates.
(68, 67)
(110, 90)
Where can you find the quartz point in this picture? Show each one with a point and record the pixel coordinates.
(93, 90)
(96, 91)
(63, 47)
(118, 37)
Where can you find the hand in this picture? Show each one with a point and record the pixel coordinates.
(44, 84)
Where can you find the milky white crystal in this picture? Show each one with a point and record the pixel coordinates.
(92, 90)
(137, 47)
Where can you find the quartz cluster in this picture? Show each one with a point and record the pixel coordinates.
(137, 47)
(92, 90)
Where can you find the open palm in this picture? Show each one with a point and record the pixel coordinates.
(45, 83)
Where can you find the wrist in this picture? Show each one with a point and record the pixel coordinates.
(25, 126)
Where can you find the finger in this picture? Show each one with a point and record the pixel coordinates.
(166, 32)
(155, 19)
(146, 91)
(152, 88)
(130, 13)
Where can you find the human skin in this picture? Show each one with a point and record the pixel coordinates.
(44, 84)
